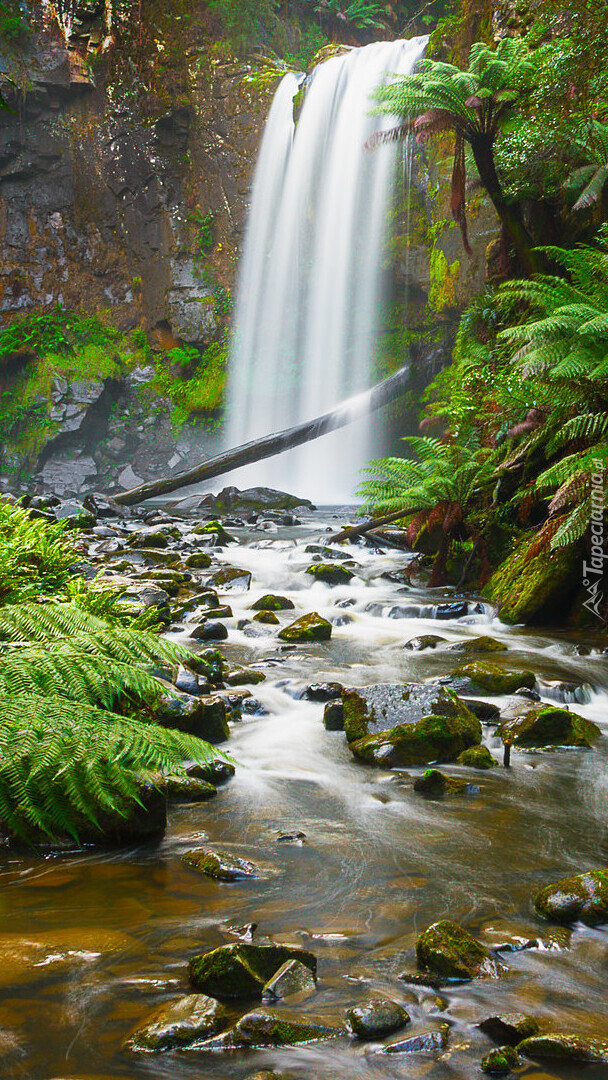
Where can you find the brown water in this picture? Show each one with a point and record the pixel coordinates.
(110, 934)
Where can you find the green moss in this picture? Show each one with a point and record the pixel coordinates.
(307, 628)
(493, 679)
(535, 589)
(450, 952)
(549, 725)
(434, 738)
(565, 1047)
(272, 602)
(477, 757)
(501, 1062)
(240, 971)
(330, 573)
(435, 783)
(583, 898)
(266, 617)
(444, 277)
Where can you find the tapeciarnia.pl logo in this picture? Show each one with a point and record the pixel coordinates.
(593, 571)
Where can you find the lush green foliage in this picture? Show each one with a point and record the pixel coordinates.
(77, 731)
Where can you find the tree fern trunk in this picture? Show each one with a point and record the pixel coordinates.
(509, 213)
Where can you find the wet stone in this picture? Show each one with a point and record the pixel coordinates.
(427, 1042)
(201, 716)
(330, 573)
(322, 691)
(477, 757)
(267, 617)
(273, 602)
(310, 627)
(501, 1062)
(210, 631)
(485, 711)
(489, 678)
(292, 978)
(448, 951)
(242, 676)
(478, 645)
(188, 789)
(198, 560)
(181, 1023)
(220, 865)
(265, 1027)
(510, 1028)
(231, 578)
(435, 784)
(582, 898)
(547, 725)
(242, 970)
(333, 716)
(376, 1018)
(425, 641)
(565, 1047)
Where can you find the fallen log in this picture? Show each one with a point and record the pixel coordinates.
(270, 445)
(350, 531)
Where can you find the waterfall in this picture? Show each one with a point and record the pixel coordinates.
(311, 296)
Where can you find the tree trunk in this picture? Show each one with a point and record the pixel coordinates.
(509, 213)
(270, 445)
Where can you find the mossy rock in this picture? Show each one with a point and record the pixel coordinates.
(564, 1046)
(310, 627)
(477, 757)
(330, 573)
(501, 1062)
(369, 710)
(187, 789)
(376, 1018)
(220, 865)
(548, 725)
(425, 641)
(582, 898)
(265, 1027)
(434, 738)
(488, 678)
(244, 676)
(435, 783)
(217, 529)
(479, 645)
(204, 717)
(538, 589)
(268, 617)
(199, 560)
(273, 602)
(179, 1024)
(510, 1028)
(241, 971)
(231, 577)
(450, 952)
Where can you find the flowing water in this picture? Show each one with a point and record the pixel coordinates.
(311, 292)
(379, 863)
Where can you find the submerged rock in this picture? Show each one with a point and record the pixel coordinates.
(489, 678)
(548, 725)
(376, 1018)
(583, 898)
(242, 970)
(307, 628)
(220, 865)
(293, 977)
(330, 573)
(510, 1028)
(181, 1023)
(447, 950)
(435, 783)
(501, 1062)
(265, 1027)
(565, 1047)
(477, 757)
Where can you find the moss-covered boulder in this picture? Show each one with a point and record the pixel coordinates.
(434, 738)
(370, 710)
(509, 1028)
(486, 677)
(549, 725)
(231, 578)
(501, 1062)
(435, 784)
(267, 617)
(376, 1018)
(565, 1047)
(478, 645)
(198, 560)
(179, 1024)
(307, 628)
(185, 789)
(582, 898)
(215, 528)
(220, 865)
(204, 717)
(241, 971)
(535, 588)
(265, 1027)
(330, 573)
(273, 602)
(450, 952)
(477, 757)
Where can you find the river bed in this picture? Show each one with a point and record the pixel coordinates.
(377, 864)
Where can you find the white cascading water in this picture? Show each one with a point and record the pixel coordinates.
(310, 296)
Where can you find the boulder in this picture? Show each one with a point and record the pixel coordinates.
(231, 578)
(330, 573)
(242, 676)
(144, 819)
(210, 631)
(510, 1028)
(242, 970)
(485, 677)
(478, 645)
(426, 1042)
(307, 628)
(477, 757)
(425, 641)
(265, 1027)
(583, 898)
(180, 1023)
(215, 529)
(267, 617)
(185, 789)
(565, 1047)
(199, 560)
(203, 716)
(333, 716)
(272, 602)
(548, 725)
(372, 710)
(293, 977)
(485, 711)
(537, 589)
(450, 952)
(501, 1062)
(214, 772)
(435, 783)
(376, 1018)
(329, 691)
(220, 865)
(151, 538)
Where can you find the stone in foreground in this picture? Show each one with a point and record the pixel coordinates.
(241, 971)
(220, 865)
(501, 1062)
(293, 977)
(510, 1028)
(264, 1027)
(547, 725)
(181, 1023)
(376, 1018)
(583, 898)
(450, 952)
(307, 628)
(565, 1047)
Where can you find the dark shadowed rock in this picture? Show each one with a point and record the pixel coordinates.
(210, 631)
(333, 716)
(242, 970)
(510, 1028)
(425, 641)
(501, 1062)
(201, 716)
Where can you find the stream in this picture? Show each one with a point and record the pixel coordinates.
(377, 864)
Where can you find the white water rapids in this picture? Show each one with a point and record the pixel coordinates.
(311, 294)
